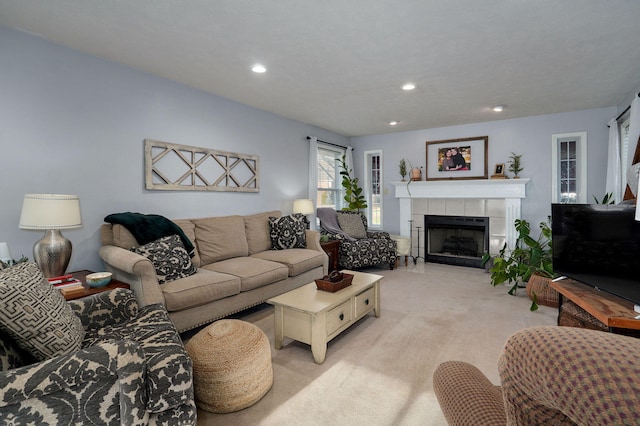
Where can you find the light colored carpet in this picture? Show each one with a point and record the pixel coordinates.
(379, 371)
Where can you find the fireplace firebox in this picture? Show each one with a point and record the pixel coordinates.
(456, 240)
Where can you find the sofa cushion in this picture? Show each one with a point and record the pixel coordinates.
(35, 315)
(258, 231)
(297, 261)
(288, 232)
(253, 272)
(203, 287)
(168, 367)
(189, 230)
(352, 224)
(221, 238)
(169, 257)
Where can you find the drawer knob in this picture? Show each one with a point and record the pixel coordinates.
(366, 302)
(341, 317)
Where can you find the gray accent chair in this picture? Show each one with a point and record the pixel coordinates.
(376, 249)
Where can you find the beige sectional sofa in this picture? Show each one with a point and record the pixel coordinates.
(236, 267)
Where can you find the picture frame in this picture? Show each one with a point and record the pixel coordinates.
(498, 172)
(464, 158)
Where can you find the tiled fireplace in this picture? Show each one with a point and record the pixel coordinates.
(498, 200)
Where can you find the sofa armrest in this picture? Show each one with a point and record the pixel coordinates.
(466, 396)
(78, 387)
(559, 375)
(313, 240)
(378, 234)
(106, 308)
(135, 270)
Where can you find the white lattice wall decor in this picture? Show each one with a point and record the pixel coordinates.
(174, 167)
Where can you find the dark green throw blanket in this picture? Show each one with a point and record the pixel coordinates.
(149, 227)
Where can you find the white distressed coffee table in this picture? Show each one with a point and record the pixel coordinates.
(314, 317)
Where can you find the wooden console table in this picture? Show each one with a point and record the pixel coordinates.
(614, 312)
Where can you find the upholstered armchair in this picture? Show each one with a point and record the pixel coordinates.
(126, 366)
(549, 376)
(359, 247)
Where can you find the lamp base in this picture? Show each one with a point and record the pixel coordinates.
(52, 253)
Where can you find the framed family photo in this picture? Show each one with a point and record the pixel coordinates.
(464, 158)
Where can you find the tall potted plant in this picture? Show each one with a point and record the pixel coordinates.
(353, 195)
(529, 256)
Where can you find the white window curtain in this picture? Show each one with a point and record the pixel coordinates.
(313, 176)
(349, 158)
(634, 133)
(614, 178)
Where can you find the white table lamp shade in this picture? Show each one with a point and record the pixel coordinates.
(50, 211)
(5, 254)
(303, 206)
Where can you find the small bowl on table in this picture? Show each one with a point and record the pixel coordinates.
(98, 279)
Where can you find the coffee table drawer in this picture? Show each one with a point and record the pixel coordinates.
(338, 317)
(365, 301)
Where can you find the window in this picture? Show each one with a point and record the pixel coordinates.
(330, 192)
(569, 168)
(372, 187)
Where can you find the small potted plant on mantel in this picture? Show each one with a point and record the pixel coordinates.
(529, 262)
(515, 164)
(403, 169)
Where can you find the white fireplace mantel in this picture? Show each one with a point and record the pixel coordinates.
(481, 188)
(512, 191)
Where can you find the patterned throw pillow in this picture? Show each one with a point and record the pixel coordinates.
(169, 257)
(35, 315)
(352, 224)
(288, 232)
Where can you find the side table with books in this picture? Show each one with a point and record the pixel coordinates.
(71, 291)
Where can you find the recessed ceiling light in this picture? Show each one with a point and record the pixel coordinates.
(409, 86)
(393, 123)
(498, 108)
(258, 68)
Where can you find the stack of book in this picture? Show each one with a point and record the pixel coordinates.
(67, 284)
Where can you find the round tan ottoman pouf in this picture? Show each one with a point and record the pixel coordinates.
(231, 366)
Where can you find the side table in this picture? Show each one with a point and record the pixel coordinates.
(82, 276)
(614, 313)
(332, 248)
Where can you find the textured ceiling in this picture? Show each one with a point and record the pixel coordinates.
(340, 64)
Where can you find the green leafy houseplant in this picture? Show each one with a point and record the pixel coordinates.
(515, 164)
(529, 256)
(607, 199)
(353, 195)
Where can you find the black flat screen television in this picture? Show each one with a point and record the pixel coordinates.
(598, 245)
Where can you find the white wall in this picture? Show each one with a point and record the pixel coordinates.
(72, 123)
(530, 136)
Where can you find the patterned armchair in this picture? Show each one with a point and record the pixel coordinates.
(359, 247)
(131, 369)
(549, 375)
